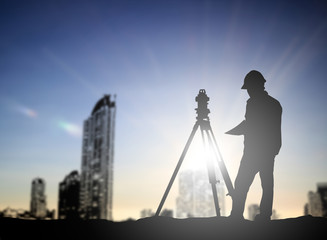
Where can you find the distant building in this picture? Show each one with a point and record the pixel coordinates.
(13, 213)
(185, 199)
(51, 214)
(167, 213)
(96, 186)
(322, 190)
(38, 199)
(314, 204)
(24, 214)
(274, 215)
(69, 189)
(195, 197)
(146, 213)
(306, 209)
(253, 210)
(317, 201)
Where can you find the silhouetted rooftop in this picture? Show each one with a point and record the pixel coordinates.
(38, 180)
(105, 101)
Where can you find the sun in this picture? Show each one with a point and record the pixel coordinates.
(196, 156)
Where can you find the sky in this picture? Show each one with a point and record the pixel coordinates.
(58, 58)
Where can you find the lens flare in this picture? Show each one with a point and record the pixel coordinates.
(71, 129)
(28, 112)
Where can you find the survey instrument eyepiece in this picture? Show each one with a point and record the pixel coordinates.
(202, 110)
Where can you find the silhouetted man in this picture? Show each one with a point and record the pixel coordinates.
(262, 141)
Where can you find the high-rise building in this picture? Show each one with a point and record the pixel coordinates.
(317, 201)
(185, 199)
(68, 205)
(96, 188)
(38, 199)
(195, 197)
(314, 204)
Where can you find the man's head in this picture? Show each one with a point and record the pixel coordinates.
(254, 83)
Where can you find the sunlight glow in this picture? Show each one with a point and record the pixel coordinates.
(196, 156)
(70, 128)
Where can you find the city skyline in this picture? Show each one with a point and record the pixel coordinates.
(57, 59)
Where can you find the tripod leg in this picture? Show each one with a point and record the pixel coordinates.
(212, 176)
(215, 199)
(221, 163)
(172, 179)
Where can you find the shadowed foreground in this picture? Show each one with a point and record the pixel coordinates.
(306, 227)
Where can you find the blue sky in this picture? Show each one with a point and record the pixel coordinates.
(57, 58)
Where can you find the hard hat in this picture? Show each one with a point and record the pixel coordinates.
(252, 79)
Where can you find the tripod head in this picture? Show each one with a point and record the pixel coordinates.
(202, 110)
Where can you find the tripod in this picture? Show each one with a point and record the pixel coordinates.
(206, 132)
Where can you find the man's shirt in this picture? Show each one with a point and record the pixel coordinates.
(262, 125)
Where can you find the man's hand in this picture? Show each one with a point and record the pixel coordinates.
(238, 130)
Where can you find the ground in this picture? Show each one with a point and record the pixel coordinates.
(306, 227)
